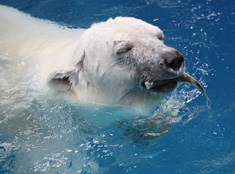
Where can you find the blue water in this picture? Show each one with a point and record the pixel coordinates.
(41, 134)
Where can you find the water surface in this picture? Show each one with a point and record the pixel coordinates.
(42, 133)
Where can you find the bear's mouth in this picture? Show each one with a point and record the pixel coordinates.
(168, 85)
(161, 86)
(165, 88)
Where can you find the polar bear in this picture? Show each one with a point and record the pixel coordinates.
(117, 62)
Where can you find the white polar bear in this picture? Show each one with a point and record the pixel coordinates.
(118, 62)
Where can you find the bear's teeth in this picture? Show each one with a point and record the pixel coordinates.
(148, 85)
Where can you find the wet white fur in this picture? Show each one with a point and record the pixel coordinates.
(24, 36)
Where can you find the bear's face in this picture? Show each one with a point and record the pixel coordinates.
(122, 61)
(130, 50)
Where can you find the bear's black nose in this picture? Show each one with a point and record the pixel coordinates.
(176, 63)
(172, 60)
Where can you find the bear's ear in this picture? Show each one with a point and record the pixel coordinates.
(66, 80)
(122, 46)
(59, 81)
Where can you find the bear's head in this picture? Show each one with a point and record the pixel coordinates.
(121, 62)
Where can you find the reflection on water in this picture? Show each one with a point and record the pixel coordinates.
(146, 130)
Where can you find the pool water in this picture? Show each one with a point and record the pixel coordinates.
(44, 133)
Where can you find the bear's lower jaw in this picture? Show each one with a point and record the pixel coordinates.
(165, 88)
(161, 86)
